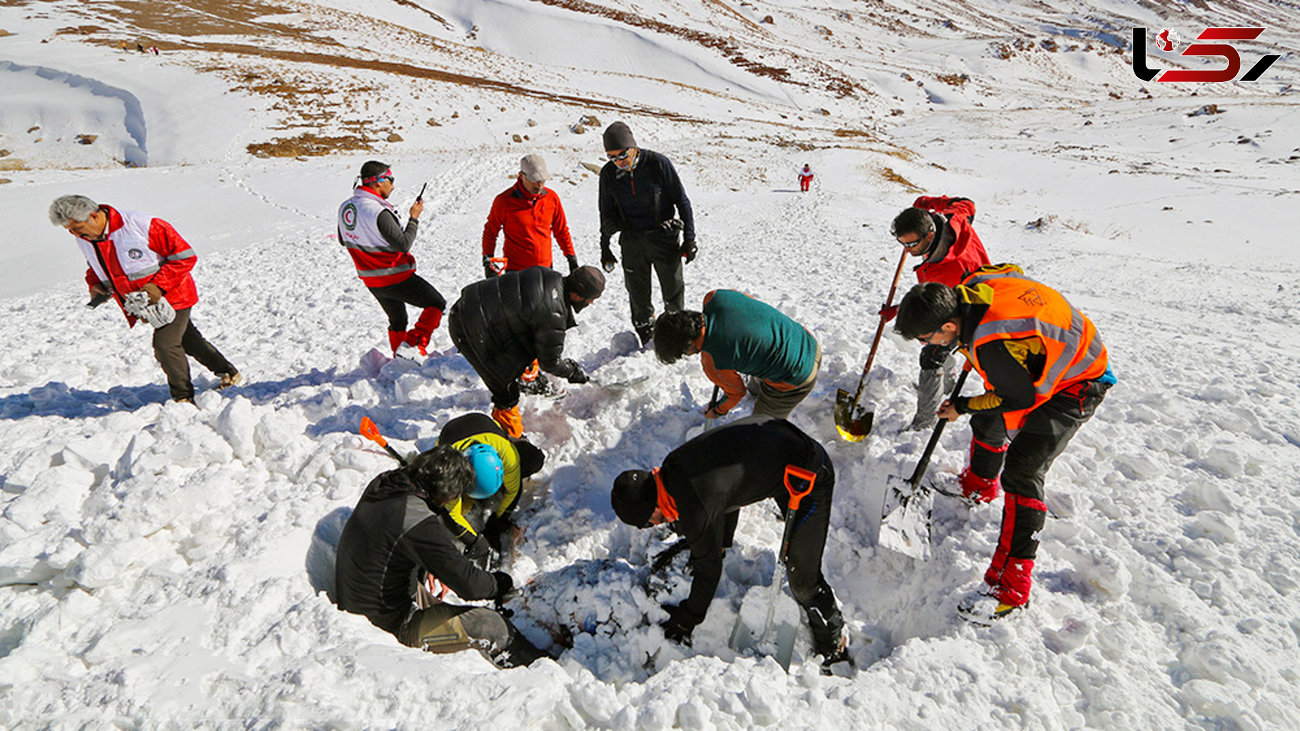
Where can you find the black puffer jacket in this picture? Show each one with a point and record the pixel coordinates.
(508, 321)
(392, 540)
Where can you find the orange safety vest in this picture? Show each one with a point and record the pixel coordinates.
(1022, 308)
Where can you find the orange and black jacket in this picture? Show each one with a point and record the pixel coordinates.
(1027, 342)
(716, 474)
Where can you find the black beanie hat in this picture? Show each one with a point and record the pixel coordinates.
(634, 498)
(372, 169)
(618, 137)
(587, 282)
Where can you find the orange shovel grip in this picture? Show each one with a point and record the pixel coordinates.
(371, 432)
(796, 496)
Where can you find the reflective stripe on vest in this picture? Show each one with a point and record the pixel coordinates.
(385, 272)
(1025, 308)
(130, 243)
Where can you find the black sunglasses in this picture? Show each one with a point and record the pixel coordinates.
(620, 156)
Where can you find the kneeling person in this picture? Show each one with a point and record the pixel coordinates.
(500, 465)
(399, 534)
(701, 488)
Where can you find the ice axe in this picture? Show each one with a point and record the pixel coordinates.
(852, 420)
(905, 515)
(371, 432)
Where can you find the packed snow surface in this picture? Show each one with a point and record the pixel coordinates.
(166, 565)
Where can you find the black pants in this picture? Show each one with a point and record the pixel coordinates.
(643, 250)
(412, 291)
(503, 385)
(803, 565)
(1025, 462)
(445, 628)
(178, 339)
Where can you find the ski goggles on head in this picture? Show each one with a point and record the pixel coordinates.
(386, 175)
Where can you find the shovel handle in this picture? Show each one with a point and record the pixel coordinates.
(934, 438)
(880, 328)
(796, 496)
(371, 432)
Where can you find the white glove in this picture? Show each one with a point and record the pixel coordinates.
(158, 314)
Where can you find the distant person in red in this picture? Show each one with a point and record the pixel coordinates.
(128, 252)
(381, 251)
(529, 214)
(805, 178)
(940, 230)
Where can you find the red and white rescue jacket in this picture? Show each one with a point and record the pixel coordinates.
(139, 250)
(378, 263)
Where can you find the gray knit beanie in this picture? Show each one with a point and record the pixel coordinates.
(619, 137)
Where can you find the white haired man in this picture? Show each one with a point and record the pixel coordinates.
(129, 251)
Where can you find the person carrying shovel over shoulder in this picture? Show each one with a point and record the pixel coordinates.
(940, 230)
(700, 489)
(1045, 369)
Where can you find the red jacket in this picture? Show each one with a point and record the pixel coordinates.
(966, 252)
(175, 256)
(528, 222)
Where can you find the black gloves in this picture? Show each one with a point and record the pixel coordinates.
(679, 625)
(672, 226)
(607, 260)
(498, 532)
(576, 374)
(479, 552)
(505, 586)
(573, 263)
(488, 271)
(689, 250)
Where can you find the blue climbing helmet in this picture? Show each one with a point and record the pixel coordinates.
(488, 470)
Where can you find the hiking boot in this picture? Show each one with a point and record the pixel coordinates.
(420, 335)
(645, 331)
(979, 489)
(229, 379)
(396, 339)
(540, 385)
(984, 607)
(838, 655)
(511, 421)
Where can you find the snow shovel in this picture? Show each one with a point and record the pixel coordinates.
(852, 420)
(708, 424)
(741, 638)
(371, 432)
(905, 515)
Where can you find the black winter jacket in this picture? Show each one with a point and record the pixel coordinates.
(721, 471)
(642, 198)
(511, 320)
(393, 540)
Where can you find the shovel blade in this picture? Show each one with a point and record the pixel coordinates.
(852, 420)
(905, 519)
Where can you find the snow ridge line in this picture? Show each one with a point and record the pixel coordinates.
(135, 155)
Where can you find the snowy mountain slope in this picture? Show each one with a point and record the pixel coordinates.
(164, 565)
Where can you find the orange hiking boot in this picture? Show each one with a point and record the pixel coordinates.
(510, 420)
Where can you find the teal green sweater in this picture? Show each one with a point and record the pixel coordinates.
(745, 335)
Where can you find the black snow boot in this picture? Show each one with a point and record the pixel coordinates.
(517, 652)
